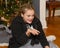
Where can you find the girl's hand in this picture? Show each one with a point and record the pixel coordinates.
(28, 32)
(32, 31)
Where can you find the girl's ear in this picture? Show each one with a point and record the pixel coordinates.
(21, 15)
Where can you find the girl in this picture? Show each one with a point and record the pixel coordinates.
(27, 30)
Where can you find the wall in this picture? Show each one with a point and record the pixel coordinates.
(43, 13)
(36, 4)
(57, 13)
(40, 8)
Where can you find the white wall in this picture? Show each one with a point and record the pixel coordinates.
(57, 13)
(43, 13)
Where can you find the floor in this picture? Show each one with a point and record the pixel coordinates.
(53, 29)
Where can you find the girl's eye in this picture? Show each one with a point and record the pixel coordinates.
(28, 15)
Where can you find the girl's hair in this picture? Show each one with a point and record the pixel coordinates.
(25, 7)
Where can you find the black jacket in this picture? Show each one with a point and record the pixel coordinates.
(19, 37)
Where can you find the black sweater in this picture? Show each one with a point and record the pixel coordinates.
(19, 37)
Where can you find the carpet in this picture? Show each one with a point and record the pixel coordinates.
(4, 39)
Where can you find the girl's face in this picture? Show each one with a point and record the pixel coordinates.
(28, 16)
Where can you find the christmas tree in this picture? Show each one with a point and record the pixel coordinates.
(7, 7)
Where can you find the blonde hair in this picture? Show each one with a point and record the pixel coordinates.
(25, 7)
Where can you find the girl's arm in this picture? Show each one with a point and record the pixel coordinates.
(41, 36)
(18, 34)
(3, 19)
